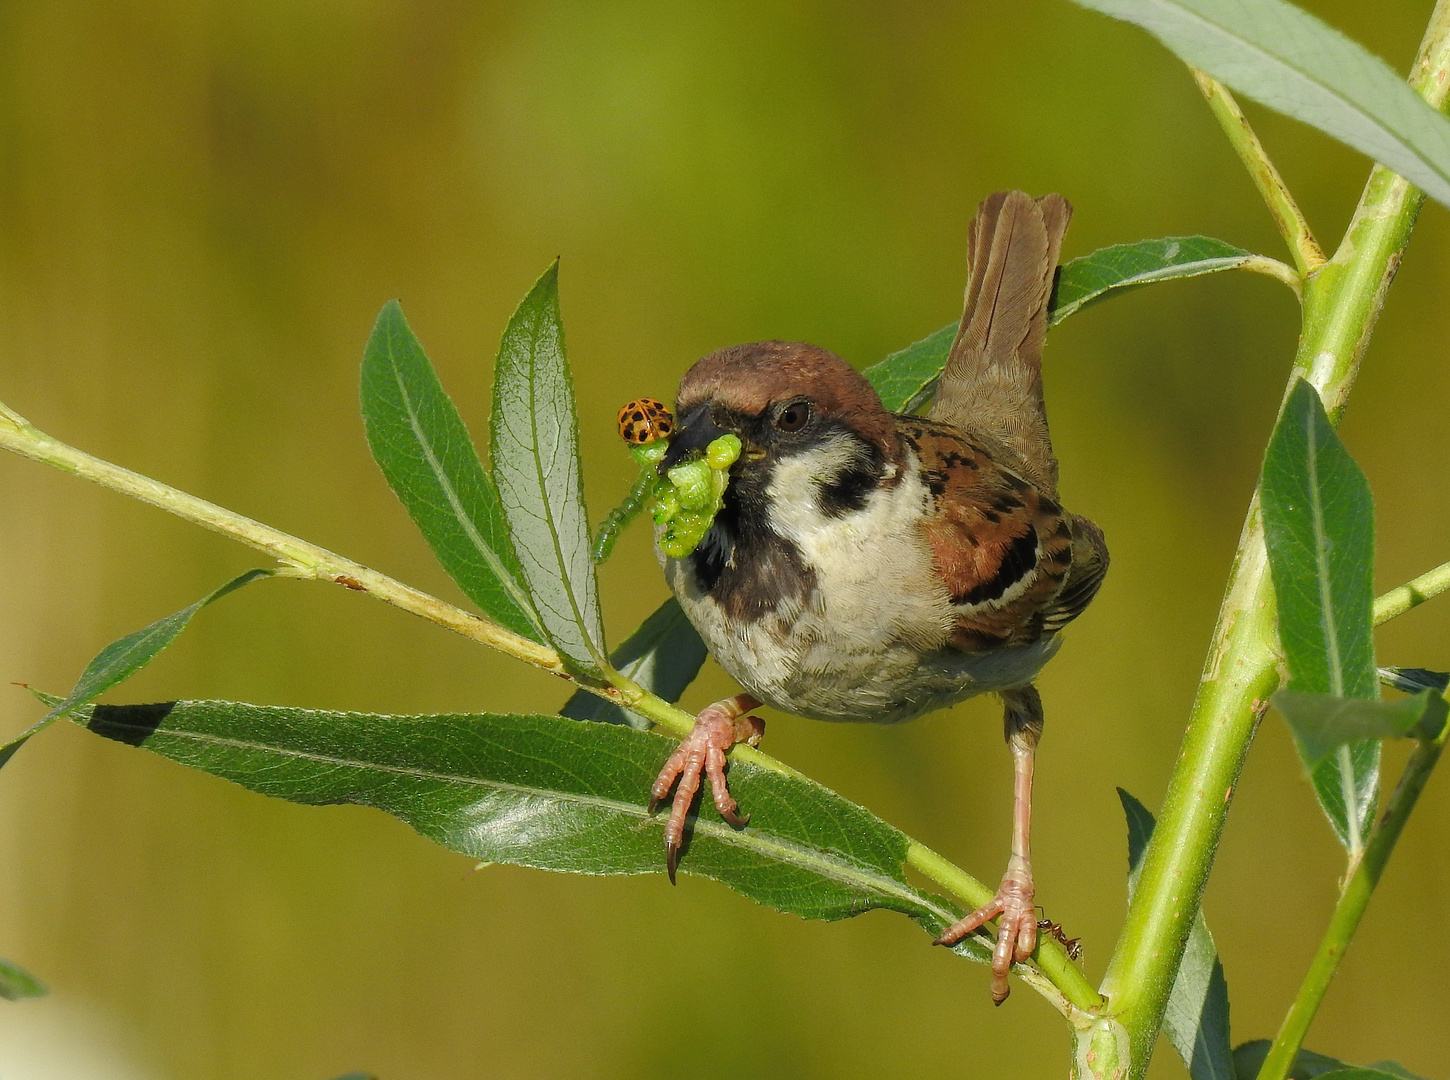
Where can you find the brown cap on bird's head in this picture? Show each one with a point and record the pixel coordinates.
(751, 378)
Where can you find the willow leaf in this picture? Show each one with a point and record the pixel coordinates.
(535, 453)
(906, 380)
(1322, 723)
(1287, 59)
(16, 983)
(419, 441)
(124, 657)
(546, 792)
(1319, 530)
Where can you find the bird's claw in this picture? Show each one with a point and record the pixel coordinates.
(1016, 917)
(702, 753)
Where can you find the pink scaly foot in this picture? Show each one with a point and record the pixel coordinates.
(1016, 917)
(1012, 906)
(702, 752)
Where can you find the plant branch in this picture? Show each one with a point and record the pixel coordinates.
(1342, 302)
(1411, 594)
(1350, 908)
(303, 559)
(1308, 256)
(1055, 977)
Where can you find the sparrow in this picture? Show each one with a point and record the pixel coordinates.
(867, 566)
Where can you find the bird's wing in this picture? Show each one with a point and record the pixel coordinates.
(1002, 548)
(1084, 575)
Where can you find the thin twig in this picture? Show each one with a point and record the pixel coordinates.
(305, 559)
(1308, 256)
(1350, 909)
(1411, 594)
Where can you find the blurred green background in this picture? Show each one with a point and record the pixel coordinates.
(203, 207)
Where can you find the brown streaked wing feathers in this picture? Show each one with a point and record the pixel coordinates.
(986, 519)
(1084, 576)
(991, 386)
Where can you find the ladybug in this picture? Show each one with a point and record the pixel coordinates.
(645, 420)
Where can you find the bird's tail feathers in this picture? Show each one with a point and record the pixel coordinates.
(992, 383)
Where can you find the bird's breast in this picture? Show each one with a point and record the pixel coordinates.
(846, 618)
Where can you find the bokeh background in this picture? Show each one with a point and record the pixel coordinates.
(203, 207)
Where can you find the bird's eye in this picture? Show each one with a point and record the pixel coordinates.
(793, 417)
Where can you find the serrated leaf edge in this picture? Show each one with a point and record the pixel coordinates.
(517, 593)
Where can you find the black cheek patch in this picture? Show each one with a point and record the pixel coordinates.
(847, 492)
(1019, 560)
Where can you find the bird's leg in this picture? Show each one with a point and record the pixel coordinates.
(703, 751)
(1012, 907)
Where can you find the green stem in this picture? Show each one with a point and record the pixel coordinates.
(1262, 264)
(1054, 976)
(1350, 909)
(1342, 302)
(1308, 256)
(305, 560)
(1411, 594)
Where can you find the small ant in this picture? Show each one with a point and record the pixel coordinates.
(1072, 945)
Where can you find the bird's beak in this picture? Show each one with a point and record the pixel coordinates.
(693, 432)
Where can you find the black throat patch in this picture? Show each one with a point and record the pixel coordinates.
(743, 564)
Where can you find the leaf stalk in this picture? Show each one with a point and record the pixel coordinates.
(1293, 226)
(1262, 264)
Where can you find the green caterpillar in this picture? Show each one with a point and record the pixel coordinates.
(685, 501)
(689, 496)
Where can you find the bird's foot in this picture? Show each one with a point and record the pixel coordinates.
(1016, 924)
(702, 753)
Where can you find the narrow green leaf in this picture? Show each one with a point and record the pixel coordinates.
(663, 656)
(1141, 823)
(419, 441)
(1319, 530)
(1287, 59)
(906, 380)
(1197, 1018)
(16, 983)
(1349, 779)
(1249, 1059)
(123, 658)
(545, 792)
(1127, 266)
(1322, 723)
(536, 463)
